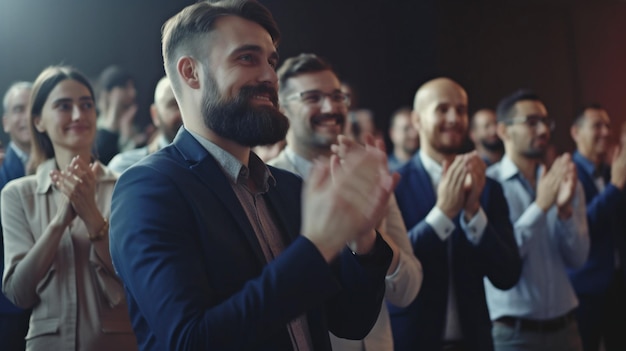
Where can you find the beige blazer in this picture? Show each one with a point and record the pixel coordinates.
(79, 304)
(401, 287)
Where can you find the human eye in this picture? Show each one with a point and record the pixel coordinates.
(64, 106)
(532, 121)
(273, 63)
(87, 105)
(338, 97)
(247, 58)
(311, 97)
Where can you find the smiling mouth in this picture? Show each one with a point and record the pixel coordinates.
(327, 120)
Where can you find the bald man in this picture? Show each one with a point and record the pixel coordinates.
(484, 136)
(458, 226)
(165, 116)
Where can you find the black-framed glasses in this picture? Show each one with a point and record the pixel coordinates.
(316, 97)
(533, 121)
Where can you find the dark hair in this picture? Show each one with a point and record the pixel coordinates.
(182, 30)
(581, 112)
(473, 118)
(303, 63)
(113, 77)
(398, 112)
(48, 79)
(506, 106)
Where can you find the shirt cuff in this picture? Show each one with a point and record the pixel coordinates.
(441, 224)
(476, 227)
(394, 275)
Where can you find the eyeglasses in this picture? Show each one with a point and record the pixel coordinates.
(316, 97)
(533, 121)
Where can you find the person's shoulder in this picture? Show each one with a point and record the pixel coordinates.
(24, 185)
(283, 176)
(408, 167)
(493, 171)
(280, 161)
(120, 162)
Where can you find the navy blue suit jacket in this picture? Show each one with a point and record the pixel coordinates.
(12, 168)
(420, 326)
(196, 277)
(605, 217)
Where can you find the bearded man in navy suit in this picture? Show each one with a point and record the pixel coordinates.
(212, 245)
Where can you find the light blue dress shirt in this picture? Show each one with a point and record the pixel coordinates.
(547, 246)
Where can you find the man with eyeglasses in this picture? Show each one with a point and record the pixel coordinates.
(310, 96)
(601, 283)
(547, 209)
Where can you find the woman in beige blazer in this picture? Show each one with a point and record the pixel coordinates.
(56, 245)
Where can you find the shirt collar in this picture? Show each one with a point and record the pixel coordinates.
(302, 165)
(235, 171)
(588, 166)
(23, 156)
(431, 166)
(508, 169)
(162, 141)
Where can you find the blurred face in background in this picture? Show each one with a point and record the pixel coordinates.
(484, 130)
(592, 133)
(165, 112)
(528, 131)
(403, 134)
(15, 119)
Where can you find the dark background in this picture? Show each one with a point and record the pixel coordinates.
(570, 52)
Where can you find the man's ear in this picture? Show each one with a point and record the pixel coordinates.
(4, 124)
(416, 120)
(154, 115)
(573, 131)
(502, 131)
(189, 71)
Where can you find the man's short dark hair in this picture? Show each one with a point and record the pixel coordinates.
(113, 77)
(303, 63)
(398, 112)
(182, 30)
(506, 106)
(581, 112)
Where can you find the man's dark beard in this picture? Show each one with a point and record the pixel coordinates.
(495, 146)
(238, 120)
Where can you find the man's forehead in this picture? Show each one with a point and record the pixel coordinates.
(593, 114)
(531, 107)
(231, 32)
(320, 80)
(19, 96)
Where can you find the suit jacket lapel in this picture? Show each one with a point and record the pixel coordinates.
(421, 180)
(208, 171)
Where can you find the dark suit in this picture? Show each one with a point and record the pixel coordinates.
(420, 326)
(592, 282)
(196, 277)
(13, 320)
(12, 167)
